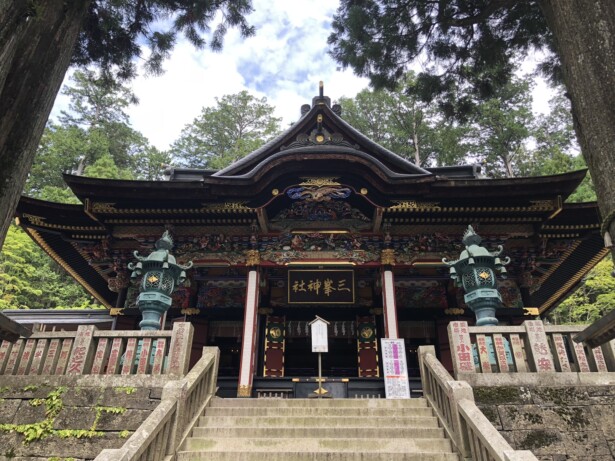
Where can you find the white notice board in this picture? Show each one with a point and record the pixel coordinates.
(319, 335)
(395, 369)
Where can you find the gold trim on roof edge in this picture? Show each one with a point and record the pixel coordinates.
(415, 205)
(39, 221)
(554, 267)
(38, 239)
(574, 280)
(110, 208)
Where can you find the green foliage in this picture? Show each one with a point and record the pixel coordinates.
(114, 31)
(468, 49)
(96, 101)
(593, 299)
(53, 406)
(237, 125)
(126, 390)
(29, 279)
(501, 129)
(105, 167)
(501, 133)
(94, 138)
(41, 429)
(407, 126)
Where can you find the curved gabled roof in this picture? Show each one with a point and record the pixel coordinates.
(322, 126)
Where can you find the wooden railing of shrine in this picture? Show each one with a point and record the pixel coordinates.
(183, 402)
(467, 427)
(89, 351)
(528, 348)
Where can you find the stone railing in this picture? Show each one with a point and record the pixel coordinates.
(89, 351)
(183, 402)
(473, 436)
(528, 348)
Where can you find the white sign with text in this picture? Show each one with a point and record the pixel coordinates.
(395, 369)
(320, 341)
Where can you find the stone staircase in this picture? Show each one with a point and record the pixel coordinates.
(331, 430)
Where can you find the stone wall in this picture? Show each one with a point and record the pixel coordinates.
(558, 423)
(60, 418)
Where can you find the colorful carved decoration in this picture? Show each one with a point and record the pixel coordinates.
(511, 296)
(387, 257)
(420, 294)
(253, 258)
(119, 282)
(181, 298)
(320, 211)
(318, 193)
(216, 296)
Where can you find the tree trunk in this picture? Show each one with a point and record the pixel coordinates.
(34, 56)
(584, 31)
(415, 140)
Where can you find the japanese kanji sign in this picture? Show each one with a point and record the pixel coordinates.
(396, 384)
(323, 286)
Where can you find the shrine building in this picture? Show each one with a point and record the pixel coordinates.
(320, 221)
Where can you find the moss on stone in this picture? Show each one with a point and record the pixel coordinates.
(491, 414)
(557, 395)
(537, 439)
(497, 395)
(574, 417)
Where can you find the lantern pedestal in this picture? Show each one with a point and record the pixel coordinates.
(152, 306)
(483, 302)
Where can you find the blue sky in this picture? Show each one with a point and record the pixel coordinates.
(284, 62)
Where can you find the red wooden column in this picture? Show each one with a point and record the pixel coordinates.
(248, 341)
(388, 304)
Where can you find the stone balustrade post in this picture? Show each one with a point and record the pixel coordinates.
(461, 348)
(456, 391)
(423, 351)
(539, 353)
(181, 346)
(82, 354)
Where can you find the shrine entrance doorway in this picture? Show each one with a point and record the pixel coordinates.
(353, 345)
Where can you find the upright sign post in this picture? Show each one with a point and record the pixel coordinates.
(320, 344)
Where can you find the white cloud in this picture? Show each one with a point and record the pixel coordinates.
(284, 61)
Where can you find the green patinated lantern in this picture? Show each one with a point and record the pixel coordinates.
(476, 271)
(161, 275)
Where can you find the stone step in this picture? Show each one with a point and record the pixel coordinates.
(317, 456)
(319, 432)
(323, 421)
(358, 412)
(316, 445)
(318, 403)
